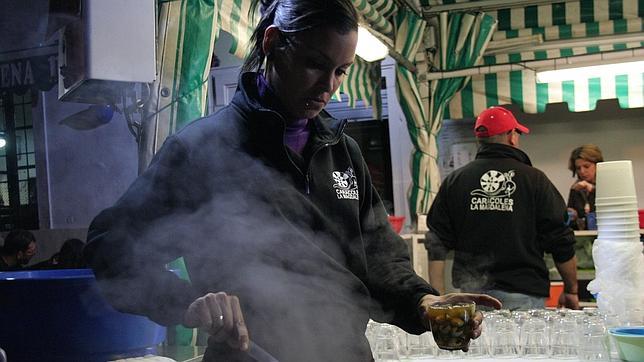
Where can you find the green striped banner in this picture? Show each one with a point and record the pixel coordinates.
(568, 12)
(586, 31)
(409, 30)
(362, 82)
(464, 38)
(235, 19)
(375, 19)
(520, 88)
(187, 33)
(385, 8)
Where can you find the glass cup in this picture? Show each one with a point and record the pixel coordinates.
(478, 347)
(611, 320)
(386, 346)
(563, 337)
(503, 338)
(419, 346)
(451, 324)
(534, 338)
(593, 342)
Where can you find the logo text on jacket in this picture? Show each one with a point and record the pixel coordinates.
(495, 191)
(345, 184)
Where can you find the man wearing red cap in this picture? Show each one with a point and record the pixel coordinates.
(500, 215)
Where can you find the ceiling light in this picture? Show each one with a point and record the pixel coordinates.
(593, 71)
(369, 47)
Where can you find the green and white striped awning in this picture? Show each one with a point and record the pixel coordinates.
(235, 19)
(566, 29)
(362, 83)
(520, 87)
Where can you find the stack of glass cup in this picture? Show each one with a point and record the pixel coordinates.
(617, 252)
(560, 334)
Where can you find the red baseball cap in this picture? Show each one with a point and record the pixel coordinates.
(497, 120)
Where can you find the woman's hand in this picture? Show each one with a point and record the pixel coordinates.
(221, 315)
(572, 215)
(583, 185)
(479, 299)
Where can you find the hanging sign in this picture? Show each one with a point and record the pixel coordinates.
(19, 75)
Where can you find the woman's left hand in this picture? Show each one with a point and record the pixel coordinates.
(453, 298)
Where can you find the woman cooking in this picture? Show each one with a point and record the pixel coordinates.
(581, 200)
(272, 208)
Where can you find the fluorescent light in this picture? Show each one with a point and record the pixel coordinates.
(594, 71)
(369, 47)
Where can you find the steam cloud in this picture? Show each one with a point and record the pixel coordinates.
(256, 237)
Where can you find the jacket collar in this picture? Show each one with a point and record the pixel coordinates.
(265, 117)
(498, 150)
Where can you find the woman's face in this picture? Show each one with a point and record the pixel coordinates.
(585, 170)
(307, 73)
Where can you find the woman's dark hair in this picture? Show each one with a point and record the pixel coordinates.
(294, 16)
(588, 152)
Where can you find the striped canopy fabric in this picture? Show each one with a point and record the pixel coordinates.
(376, 12)
(187, 32)
(362, 82)
(462, 41)
(520, 87)
(409, 30)
(602, 28)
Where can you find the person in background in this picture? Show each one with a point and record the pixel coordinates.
(581, 200)
(70, 256)
(286, 241)
(19, 247)
(499, 215)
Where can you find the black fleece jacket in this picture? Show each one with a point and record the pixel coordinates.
(500, 215)
(303, 241)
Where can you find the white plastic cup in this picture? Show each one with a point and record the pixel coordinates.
(615, 179)
(618, 222)
(618, 239)
(605, 234)
(615, 204)
(620, 228)
(616, 214)
(615, 199)
(616, 207)
(617, 217)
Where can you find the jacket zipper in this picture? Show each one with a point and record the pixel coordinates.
(326, 144)
(307, 177)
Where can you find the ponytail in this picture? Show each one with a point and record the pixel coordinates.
(256, 56)
(294, 16)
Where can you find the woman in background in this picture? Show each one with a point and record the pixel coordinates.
(581, 200)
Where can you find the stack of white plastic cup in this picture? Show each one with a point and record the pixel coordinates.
(617, 251)
(616, 202)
